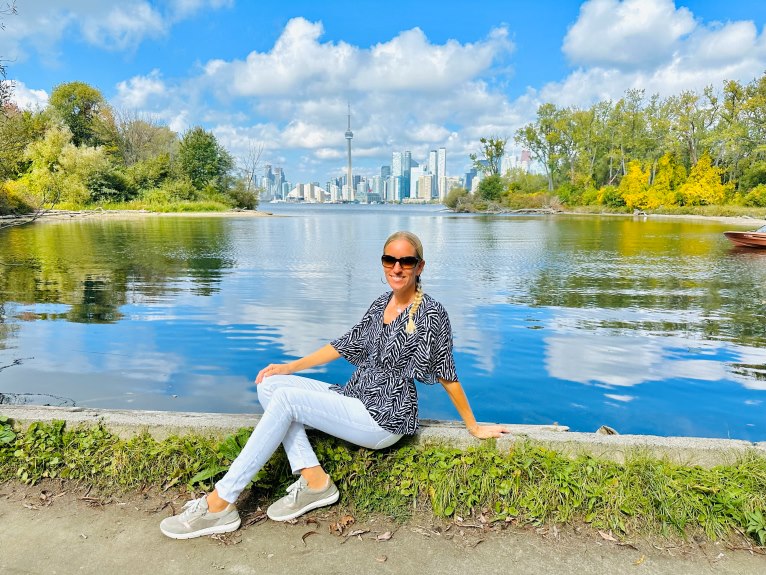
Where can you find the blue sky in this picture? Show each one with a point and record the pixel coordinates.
(418, 75)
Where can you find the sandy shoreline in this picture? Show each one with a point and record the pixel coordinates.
(64, 215)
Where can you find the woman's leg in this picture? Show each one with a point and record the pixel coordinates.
(291, 402)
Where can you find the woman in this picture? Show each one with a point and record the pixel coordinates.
(404, 336)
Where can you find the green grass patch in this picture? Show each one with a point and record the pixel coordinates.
(528, 482)
(180, 206)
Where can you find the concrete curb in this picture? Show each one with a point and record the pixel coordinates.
(161, 424)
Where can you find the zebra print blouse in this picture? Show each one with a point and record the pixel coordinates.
(389, 360)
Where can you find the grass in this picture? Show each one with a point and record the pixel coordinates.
(528, 483)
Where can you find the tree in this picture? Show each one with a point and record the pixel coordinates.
(84, 111)
(703, 186)
(17, 130)
(140, 138)
(693, 117)
(492, 150)
(245, 191)
(633, 187)
(203, 160)
(668, 177)
(491, 188)
(543, 139)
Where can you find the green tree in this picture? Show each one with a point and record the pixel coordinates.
(17, 130)
(543, 139)
(492, 150)
(84, 111)
(203, 160)
(491, 188)
(693, 116)
(61, 172)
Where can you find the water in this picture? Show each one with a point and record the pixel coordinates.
(647, 326)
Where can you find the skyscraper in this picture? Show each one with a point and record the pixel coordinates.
(441, 173)
(406, 168)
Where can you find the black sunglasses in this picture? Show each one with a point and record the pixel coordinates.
(407, 262)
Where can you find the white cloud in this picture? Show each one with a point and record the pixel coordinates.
(140, 91)
(123, 26)
(41, 25)
(28, 99)
(300, 65)
(628, 34)
(651, 45)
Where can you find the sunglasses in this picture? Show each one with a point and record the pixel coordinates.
(407, 262)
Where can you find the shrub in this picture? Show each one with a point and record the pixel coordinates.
(454, 197)
(756, 197)
(242, 196)
(12, 203)
(610, 196)
(179, 190)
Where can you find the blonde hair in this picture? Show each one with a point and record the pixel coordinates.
(418, 245)
(415, 305)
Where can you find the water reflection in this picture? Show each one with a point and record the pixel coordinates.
(646, 326)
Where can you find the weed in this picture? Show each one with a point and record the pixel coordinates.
(529, 483)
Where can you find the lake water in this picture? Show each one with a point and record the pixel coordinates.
(648, 326)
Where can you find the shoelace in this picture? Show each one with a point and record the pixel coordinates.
(294, 490)
(191, 507)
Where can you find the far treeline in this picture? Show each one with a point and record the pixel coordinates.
(79, 152)
(673, 154)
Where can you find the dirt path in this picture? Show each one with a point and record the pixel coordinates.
(45, 530)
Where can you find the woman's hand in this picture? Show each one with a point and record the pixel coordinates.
(273, 369)
(487, 431)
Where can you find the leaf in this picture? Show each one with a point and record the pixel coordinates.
(607, 536)
(384, 536)
(343, 522)
(206, 474)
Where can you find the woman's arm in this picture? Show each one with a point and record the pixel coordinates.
(457, 395)
(324, 354)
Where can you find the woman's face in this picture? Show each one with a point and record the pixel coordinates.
(399, 278)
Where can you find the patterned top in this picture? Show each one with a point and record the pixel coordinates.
(389, 360)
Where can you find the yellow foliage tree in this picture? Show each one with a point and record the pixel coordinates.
(703, 186)
(669, 176)
(634, 187)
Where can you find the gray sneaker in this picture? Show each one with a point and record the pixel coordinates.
(195, 520)
(300, 499)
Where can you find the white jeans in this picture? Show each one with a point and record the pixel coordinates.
(291, 402)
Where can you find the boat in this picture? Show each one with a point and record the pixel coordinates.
(754, 239)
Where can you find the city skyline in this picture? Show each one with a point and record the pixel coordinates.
(404, 179)
(283, 74)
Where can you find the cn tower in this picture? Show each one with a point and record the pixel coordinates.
(349, 135)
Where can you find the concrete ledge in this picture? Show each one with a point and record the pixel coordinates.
(161, 424)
